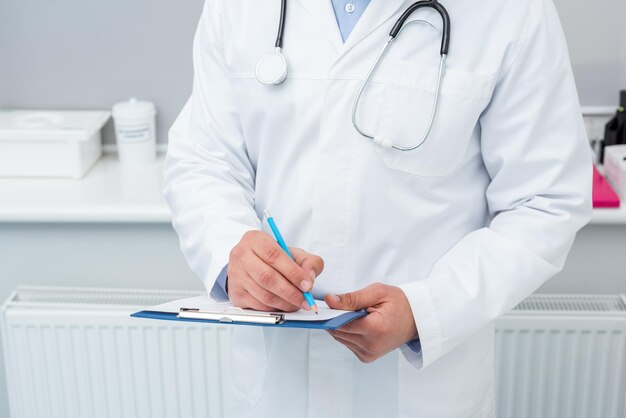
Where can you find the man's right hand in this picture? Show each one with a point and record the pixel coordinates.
(261, 275)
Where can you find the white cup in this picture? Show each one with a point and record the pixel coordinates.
(135, 131)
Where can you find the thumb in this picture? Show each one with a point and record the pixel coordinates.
(361, 299)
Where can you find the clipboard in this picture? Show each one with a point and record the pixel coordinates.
(237, 316)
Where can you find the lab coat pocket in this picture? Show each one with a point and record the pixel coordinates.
(406, 110)
(248, 363)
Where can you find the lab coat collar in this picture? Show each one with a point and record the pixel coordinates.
(324, 15)
(377, 13)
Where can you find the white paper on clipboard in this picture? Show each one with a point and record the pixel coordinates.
(205, 303)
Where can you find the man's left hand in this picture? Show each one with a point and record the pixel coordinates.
(389, 323)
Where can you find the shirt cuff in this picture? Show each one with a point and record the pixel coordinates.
(415, 345)
(412, 351)
(218, 292)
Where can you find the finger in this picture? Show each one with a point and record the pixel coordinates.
(310, 263)
(242, 299)
(272, 281)
(361, 299)
(273, 255)
(359, 326)
(235, 275)
(270, 299)
(361, 355)
(356, 339)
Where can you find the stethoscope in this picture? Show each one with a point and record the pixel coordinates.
(272, 67)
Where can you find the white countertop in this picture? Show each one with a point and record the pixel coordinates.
(111, 193)
(609, 216)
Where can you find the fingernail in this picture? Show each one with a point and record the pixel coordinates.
(335, 298)
(305, 286)
(305, 306)
(312, 274)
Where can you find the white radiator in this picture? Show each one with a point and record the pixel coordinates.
(73, 352)
(562, 356)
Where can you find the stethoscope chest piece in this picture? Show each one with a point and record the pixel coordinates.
(271, 68)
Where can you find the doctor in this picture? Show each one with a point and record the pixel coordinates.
(435, 242)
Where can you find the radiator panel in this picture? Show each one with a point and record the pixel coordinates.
(112, 367)
(560, 368)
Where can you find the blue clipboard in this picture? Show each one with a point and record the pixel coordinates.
(329, 324)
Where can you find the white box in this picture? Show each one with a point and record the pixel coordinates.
(615, 168)
(50, 143)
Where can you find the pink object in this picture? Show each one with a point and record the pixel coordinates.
(603, 194)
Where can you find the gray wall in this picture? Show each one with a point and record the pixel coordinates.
(596, 35)
(92, 53)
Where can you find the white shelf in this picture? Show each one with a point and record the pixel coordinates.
(609, 216)
(111, 193)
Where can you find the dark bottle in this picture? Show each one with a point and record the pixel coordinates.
(615, 131)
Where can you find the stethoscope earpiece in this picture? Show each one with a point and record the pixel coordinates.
(271, 68)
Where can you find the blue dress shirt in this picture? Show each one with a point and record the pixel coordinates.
(219, 292)
(347, 13)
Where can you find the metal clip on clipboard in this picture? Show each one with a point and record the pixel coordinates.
(233, 315)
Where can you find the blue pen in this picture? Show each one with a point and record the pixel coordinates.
(281, 242)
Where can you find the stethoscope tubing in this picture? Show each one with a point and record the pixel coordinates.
(435, 5)
(385, 142)
(281, 25)
(396, 30)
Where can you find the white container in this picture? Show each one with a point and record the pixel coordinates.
(49, 143)
(615, 168)
(135, 131)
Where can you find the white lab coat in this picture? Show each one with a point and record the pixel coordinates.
(467, 225)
